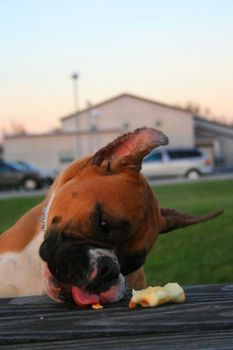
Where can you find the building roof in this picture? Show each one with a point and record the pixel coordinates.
(213, 127)
(142, 99)
(62, 133)
(199, 118)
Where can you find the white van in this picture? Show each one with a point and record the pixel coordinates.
(188, 162)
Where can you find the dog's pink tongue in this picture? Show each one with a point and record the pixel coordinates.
(113, 294)
(82, 297)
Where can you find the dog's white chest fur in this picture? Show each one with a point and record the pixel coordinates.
(21, 273)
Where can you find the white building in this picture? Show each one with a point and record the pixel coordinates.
(98, 125)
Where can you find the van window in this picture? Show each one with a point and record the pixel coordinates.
(153, 157)
(184, 153)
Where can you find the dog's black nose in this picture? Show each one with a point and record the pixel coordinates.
(105, 272)
(107, 269)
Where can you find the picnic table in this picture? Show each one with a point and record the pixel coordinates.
(204, 321)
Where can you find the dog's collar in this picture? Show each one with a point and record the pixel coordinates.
(45, 211)
(43, 226)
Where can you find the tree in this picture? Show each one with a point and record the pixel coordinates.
(17, 128)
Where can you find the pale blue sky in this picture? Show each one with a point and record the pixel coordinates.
(170, 51)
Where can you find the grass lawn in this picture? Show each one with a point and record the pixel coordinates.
(13, 208)
(199, 254)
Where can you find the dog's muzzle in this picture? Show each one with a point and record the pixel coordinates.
(100, 281)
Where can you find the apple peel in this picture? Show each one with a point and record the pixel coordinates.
(155, 296)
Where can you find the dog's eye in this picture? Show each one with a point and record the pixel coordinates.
(109, 229)
(105, 228)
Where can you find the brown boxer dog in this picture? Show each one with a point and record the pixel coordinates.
(94, 229)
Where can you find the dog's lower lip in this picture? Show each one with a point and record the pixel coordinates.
(83, 298)
(64, 292)
(114, 293)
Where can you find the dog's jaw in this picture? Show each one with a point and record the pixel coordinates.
(61, 292)
(112, 295)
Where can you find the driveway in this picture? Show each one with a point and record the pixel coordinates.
(21, 193)
(172, 181)
(153, 182)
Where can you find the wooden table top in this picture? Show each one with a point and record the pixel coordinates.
(204, 321)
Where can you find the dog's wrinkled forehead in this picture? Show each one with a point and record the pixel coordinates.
(109, 179)
(90, 200)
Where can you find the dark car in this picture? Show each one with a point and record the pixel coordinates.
(13, 175)
(48, 175)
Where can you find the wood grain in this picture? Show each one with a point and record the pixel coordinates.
(204, 321)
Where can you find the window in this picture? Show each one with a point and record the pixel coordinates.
(153, 157)
(66, 157)
(158, 124)
(5, 167)
(184, 153)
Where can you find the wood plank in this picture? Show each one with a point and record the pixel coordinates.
(174, 341)
(38, 319)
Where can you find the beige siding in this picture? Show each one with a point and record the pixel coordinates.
(119, 113)
(124, 113)
(46, 151)
(43, 152)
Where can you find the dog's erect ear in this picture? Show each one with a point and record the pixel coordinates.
(129, 150)
(174, 219)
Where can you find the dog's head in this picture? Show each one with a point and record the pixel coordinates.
(101, 221)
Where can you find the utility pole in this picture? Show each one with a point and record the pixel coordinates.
(78, 147)
(90, 126)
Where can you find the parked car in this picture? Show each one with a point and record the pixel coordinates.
(13, 175)
(188, 162)
(48, 175)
